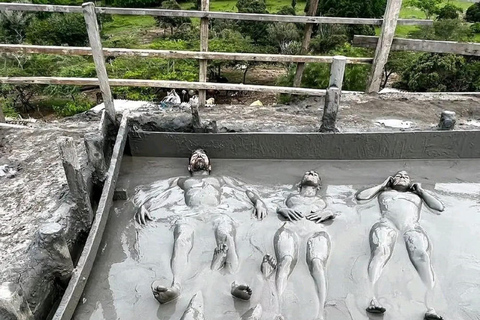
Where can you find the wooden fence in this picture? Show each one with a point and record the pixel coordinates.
(98, 52)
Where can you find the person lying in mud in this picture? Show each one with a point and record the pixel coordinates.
(306, 203)
(203, 194)
(400, 205)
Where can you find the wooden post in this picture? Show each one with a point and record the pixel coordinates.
(332, 101)
(384, 44)
(202, 94)
(2, 116)
(13, 304)
(307, 35)
(76, 183)
(337, 71)
(98, 57)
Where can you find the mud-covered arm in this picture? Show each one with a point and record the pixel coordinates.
(252, 194)
(142, 199)
(430, 200)
(370, 193)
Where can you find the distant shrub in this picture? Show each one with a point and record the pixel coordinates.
(475, 27)
(473, 13)
(73, 107)
(449, 11)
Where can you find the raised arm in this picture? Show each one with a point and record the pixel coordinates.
(430, 200)
(370, 193)
(260, 207)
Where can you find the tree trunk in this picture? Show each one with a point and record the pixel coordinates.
(245, 75)
(2, 116)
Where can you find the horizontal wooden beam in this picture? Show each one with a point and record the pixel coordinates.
(161, 84)
(170, 54)
(209, 14)
(400, 44)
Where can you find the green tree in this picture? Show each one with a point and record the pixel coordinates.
(13, 26)
(286, 11)
(448, 30)
(58, 29)
(429, 7)
(283, 35)
(257, 31)
(171, 22)
(473, 13)
(449, 11)
(351, 8)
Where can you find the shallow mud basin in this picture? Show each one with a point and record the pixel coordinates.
(132, 256)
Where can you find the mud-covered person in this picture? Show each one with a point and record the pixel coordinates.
(203, 193)
(400, 203)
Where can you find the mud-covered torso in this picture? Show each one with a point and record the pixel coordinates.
(202, 191)
(305, 205)
(401, 208)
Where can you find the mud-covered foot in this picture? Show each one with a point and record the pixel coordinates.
(219, 257)
(241, 291)
(165, 294)
(431, 314)
(254, 313)
(269, 264)
(375, 307)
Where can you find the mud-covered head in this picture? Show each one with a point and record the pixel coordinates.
(311, 179)
(199, 162)
(401, 181)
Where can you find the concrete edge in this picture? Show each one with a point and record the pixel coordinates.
(315, 146)
(84, 266)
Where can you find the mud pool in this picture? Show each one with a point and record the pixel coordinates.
(131, 256)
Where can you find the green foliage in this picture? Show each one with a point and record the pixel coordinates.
(58, 29)
(328, 38)
(13, 26)
(133, 3)
(8, 109)
(351, 8)
(448, 30)
(282, 35)
(475, 27)
(71, 108)
(449, 11)
(437, 72)
(429, 7)
(286, 11)
(257, 31)
(294, 4)
(473, 13)
(171, 22)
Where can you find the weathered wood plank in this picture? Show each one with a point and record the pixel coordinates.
(202, 65)
(332, 102)
(400, 44)
(172, 54)
(210, 15)
(162, 84)
(2, 116)
(81, 272)
(382, 51)
(307, 35)
(97, 51)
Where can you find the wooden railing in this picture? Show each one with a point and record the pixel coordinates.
(98, 52)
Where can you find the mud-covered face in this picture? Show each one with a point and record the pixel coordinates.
(311, 178)
(401, 181)
(199, 161)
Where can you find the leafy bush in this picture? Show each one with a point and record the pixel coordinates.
(437, 72)
(73, 107)
(257, 31)
(475, 27)
(133, 3)
(171, 22)
(58, 29)
(448, 29)
(449, 11)
(473, 13)
(328, 38)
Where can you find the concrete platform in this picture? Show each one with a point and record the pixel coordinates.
(131, 256)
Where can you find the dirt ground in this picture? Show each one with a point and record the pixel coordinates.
(35, 186)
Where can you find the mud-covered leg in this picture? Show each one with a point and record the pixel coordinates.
(419, 251)
(254, 313)
(286, 251)
(183, 244)
(382, 242)
(195, 308)
(225, 255)
(318, 251)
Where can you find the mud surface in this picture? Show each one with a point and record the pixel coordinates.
(36, 186)
(132, 256)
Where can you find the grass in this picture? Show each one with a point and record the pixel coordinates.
(230, 5)
(128, 24)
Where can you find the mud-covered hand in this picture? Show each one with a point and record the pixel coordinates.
(416, 187)
(321, 216)
(260, 210)
(290, 214)
(388, 182)
(142, 215)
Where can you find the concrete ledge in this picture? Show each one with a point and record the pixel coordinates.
(320, 146)
(82, 270)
